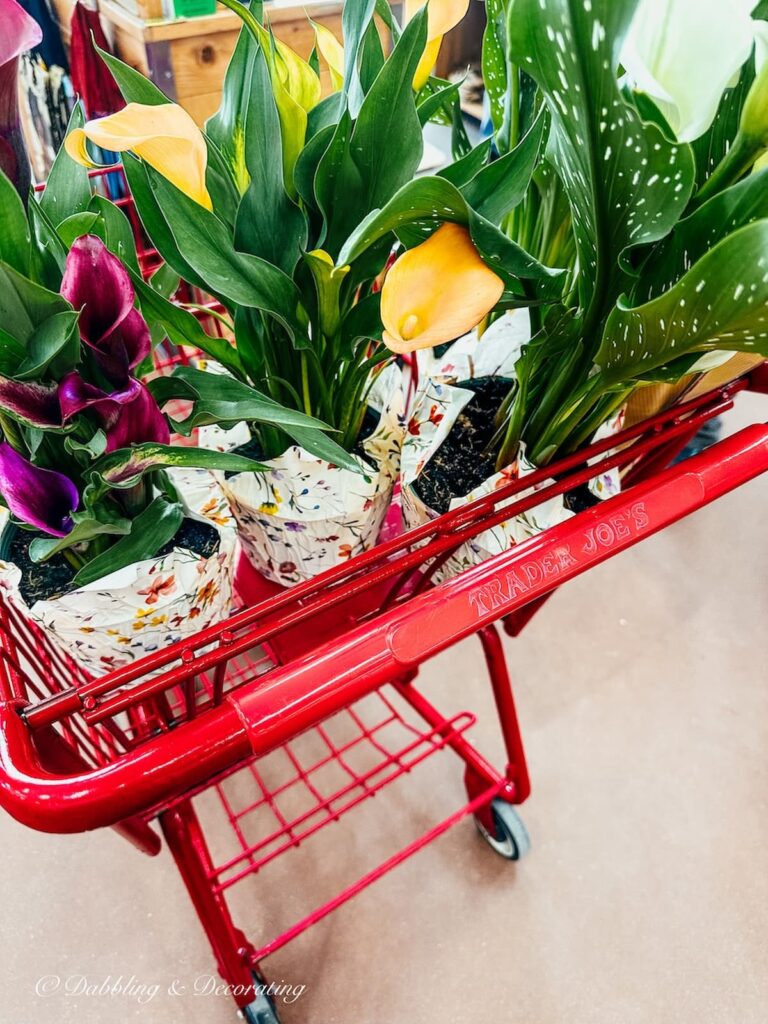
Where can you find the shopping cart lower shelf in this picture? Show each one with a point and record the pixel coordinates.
(324, 679)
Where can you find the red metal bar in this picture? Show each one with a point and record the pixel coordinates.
(185, 839)
(451, 730)
(317, 915)
(517, 766)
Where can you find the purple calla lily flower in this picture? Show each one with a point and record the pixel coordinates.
(97, 283)
(128, 416)
(20, 32)
(34, 403)
(40, 497)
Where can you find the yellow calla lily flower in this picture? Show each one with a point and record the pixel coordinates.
(165, 136)
(332, 53)
(442, 16)
(294, 74)
(296, 89)
(437, 292)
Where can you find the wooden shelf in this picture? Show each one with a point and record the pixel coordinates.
(187, 57)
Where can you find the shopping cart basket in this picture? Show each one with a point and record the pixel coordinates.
(325, 675)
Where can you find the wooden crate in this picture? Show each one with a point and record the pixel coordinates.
(187, 58)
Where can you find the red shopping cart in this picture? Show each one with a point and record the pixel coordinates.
(334, 661)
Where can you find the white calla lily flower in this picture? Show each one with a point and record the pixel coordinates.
(685, 53)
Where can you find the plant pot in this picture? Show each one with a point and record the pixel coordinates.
(303, 515)
(141, 608)
(453, 396)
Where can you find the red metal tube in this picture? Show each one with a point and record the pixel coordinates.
(131, 785)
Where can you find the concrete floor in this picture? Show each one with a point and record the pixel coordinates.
(642, 691)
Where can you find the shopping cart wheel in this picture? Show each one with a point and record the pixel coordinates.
(510, 838)
(262, 1009)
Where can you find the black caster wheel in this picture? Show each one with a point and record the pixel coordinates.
(510, 837)
(262, 1010)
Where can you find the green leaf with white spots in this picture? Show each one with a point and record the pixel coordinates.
(721, 304)
(627, 184)
(726, 212)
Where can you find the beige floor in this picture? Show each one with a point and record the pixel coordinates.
(642, 690)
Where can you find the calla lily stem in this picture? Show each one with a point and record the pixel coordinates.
(738, 160)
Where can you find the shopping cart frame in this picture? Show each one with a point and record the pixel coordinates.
(144, 742)
(212, 730)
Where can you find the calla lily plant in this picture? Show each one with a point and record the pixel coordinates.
(84, 442)
(274, 210)
(84, 445)
(629, 149)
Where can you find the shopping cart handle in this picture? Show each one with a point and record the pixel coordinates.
(263, 714)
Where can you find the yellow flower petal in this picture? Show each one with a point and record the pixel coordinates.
(437, 292)
(75, 146)
(427, 62)
(442, 16)
(295, 75)
(164, 135)
(332, 53)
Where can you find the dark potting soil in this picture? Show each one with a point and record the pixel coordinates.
(463, 461)
(580, 499)
(252, 449)
(41, 581)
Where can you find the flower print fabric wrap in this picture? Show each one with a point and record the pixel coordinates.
(136, 610)
(304, 516)
(437, 406)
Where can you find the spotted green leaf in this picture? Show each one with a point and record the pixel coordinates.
(720, 304)
(627, 184)
(726, 212)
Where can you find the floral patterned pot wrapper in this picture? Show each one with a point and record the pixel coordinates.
(141, 608)
(436, 408)
(200, 490)
(304, 516)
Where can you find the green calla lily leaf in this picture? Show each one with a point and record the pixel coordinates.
(53, 348)
(429, 201)
(150, 530)
(207, 246)
(720, 304)
(126, 466)
(86, 527)
(627, 183)
(183, 328)
(68, 189)
(694, 236)
(14, 238)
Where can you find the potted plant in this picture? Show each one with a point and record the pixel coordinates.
(101, 548)
(641, 182)
(257, 210)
